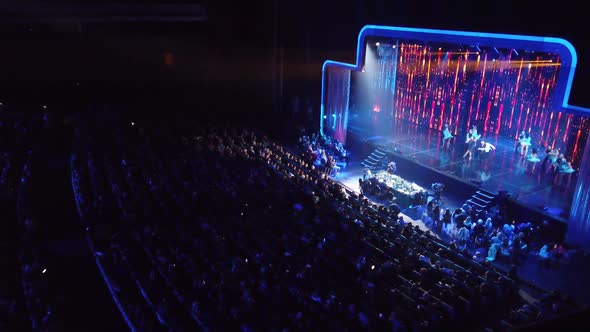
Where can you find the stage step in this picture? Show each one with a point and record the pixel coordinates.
(375, 159)
(481, 200)
(368, 164)
(486, 194)
(474, 203)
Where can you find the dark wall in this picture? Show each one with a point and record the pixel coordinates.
(248, 62)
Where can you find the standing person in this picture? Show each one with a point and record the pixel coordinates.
(550, 154)
(446, 218)
(470, 146)
(473, 132)
(447, 135)
(517, 146)
(565, 171)
(525, 142)
(436, 217)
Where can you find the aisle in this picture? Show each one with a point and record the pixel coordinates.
(79, 297)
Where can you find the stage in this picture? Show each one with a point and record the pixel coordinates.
(502, 170)
(532, 188)
(407, 84)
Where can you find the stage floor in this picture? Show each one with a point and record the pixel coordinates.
(504, 169)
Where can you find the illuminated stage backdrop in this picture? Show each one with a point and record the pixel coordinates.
(501, 91)
(501, 83)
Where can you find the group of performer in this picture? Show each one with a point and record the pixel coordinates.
(475, 144)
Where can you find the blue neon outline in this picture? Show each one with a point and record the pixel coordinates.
(564, 48)
(334, 64)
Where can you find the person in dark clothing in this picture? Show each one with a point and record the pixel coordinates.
(446, 218)
(478, 229)
(436, 217)
(459, 219)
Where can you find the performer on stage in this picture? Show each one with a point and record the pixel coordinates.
(517, 145)
(566, 168)
(557, 163)
(484, 149)
(473, 132)
(534, 157)
(563, 170)
(447, 136)
(525, 142)
(470, 146)
(550, 157)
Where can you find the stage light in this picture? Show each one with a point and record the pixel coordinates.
(393, 46)
(377, 44)
(133, 123)
(44, 106)
(44, 270)
(325, 116)
(505, 41)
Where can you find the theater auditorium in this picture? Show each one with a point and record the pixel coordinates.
(376, 165)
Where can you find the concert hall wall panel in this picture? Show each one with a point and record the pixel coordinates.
(337, 98)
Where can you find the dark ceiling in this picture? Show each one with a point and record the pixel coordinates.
(229, 58)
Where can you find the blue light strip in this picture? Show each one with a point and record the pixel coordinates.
(93, 250)
(331, 64)
(560, 46)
